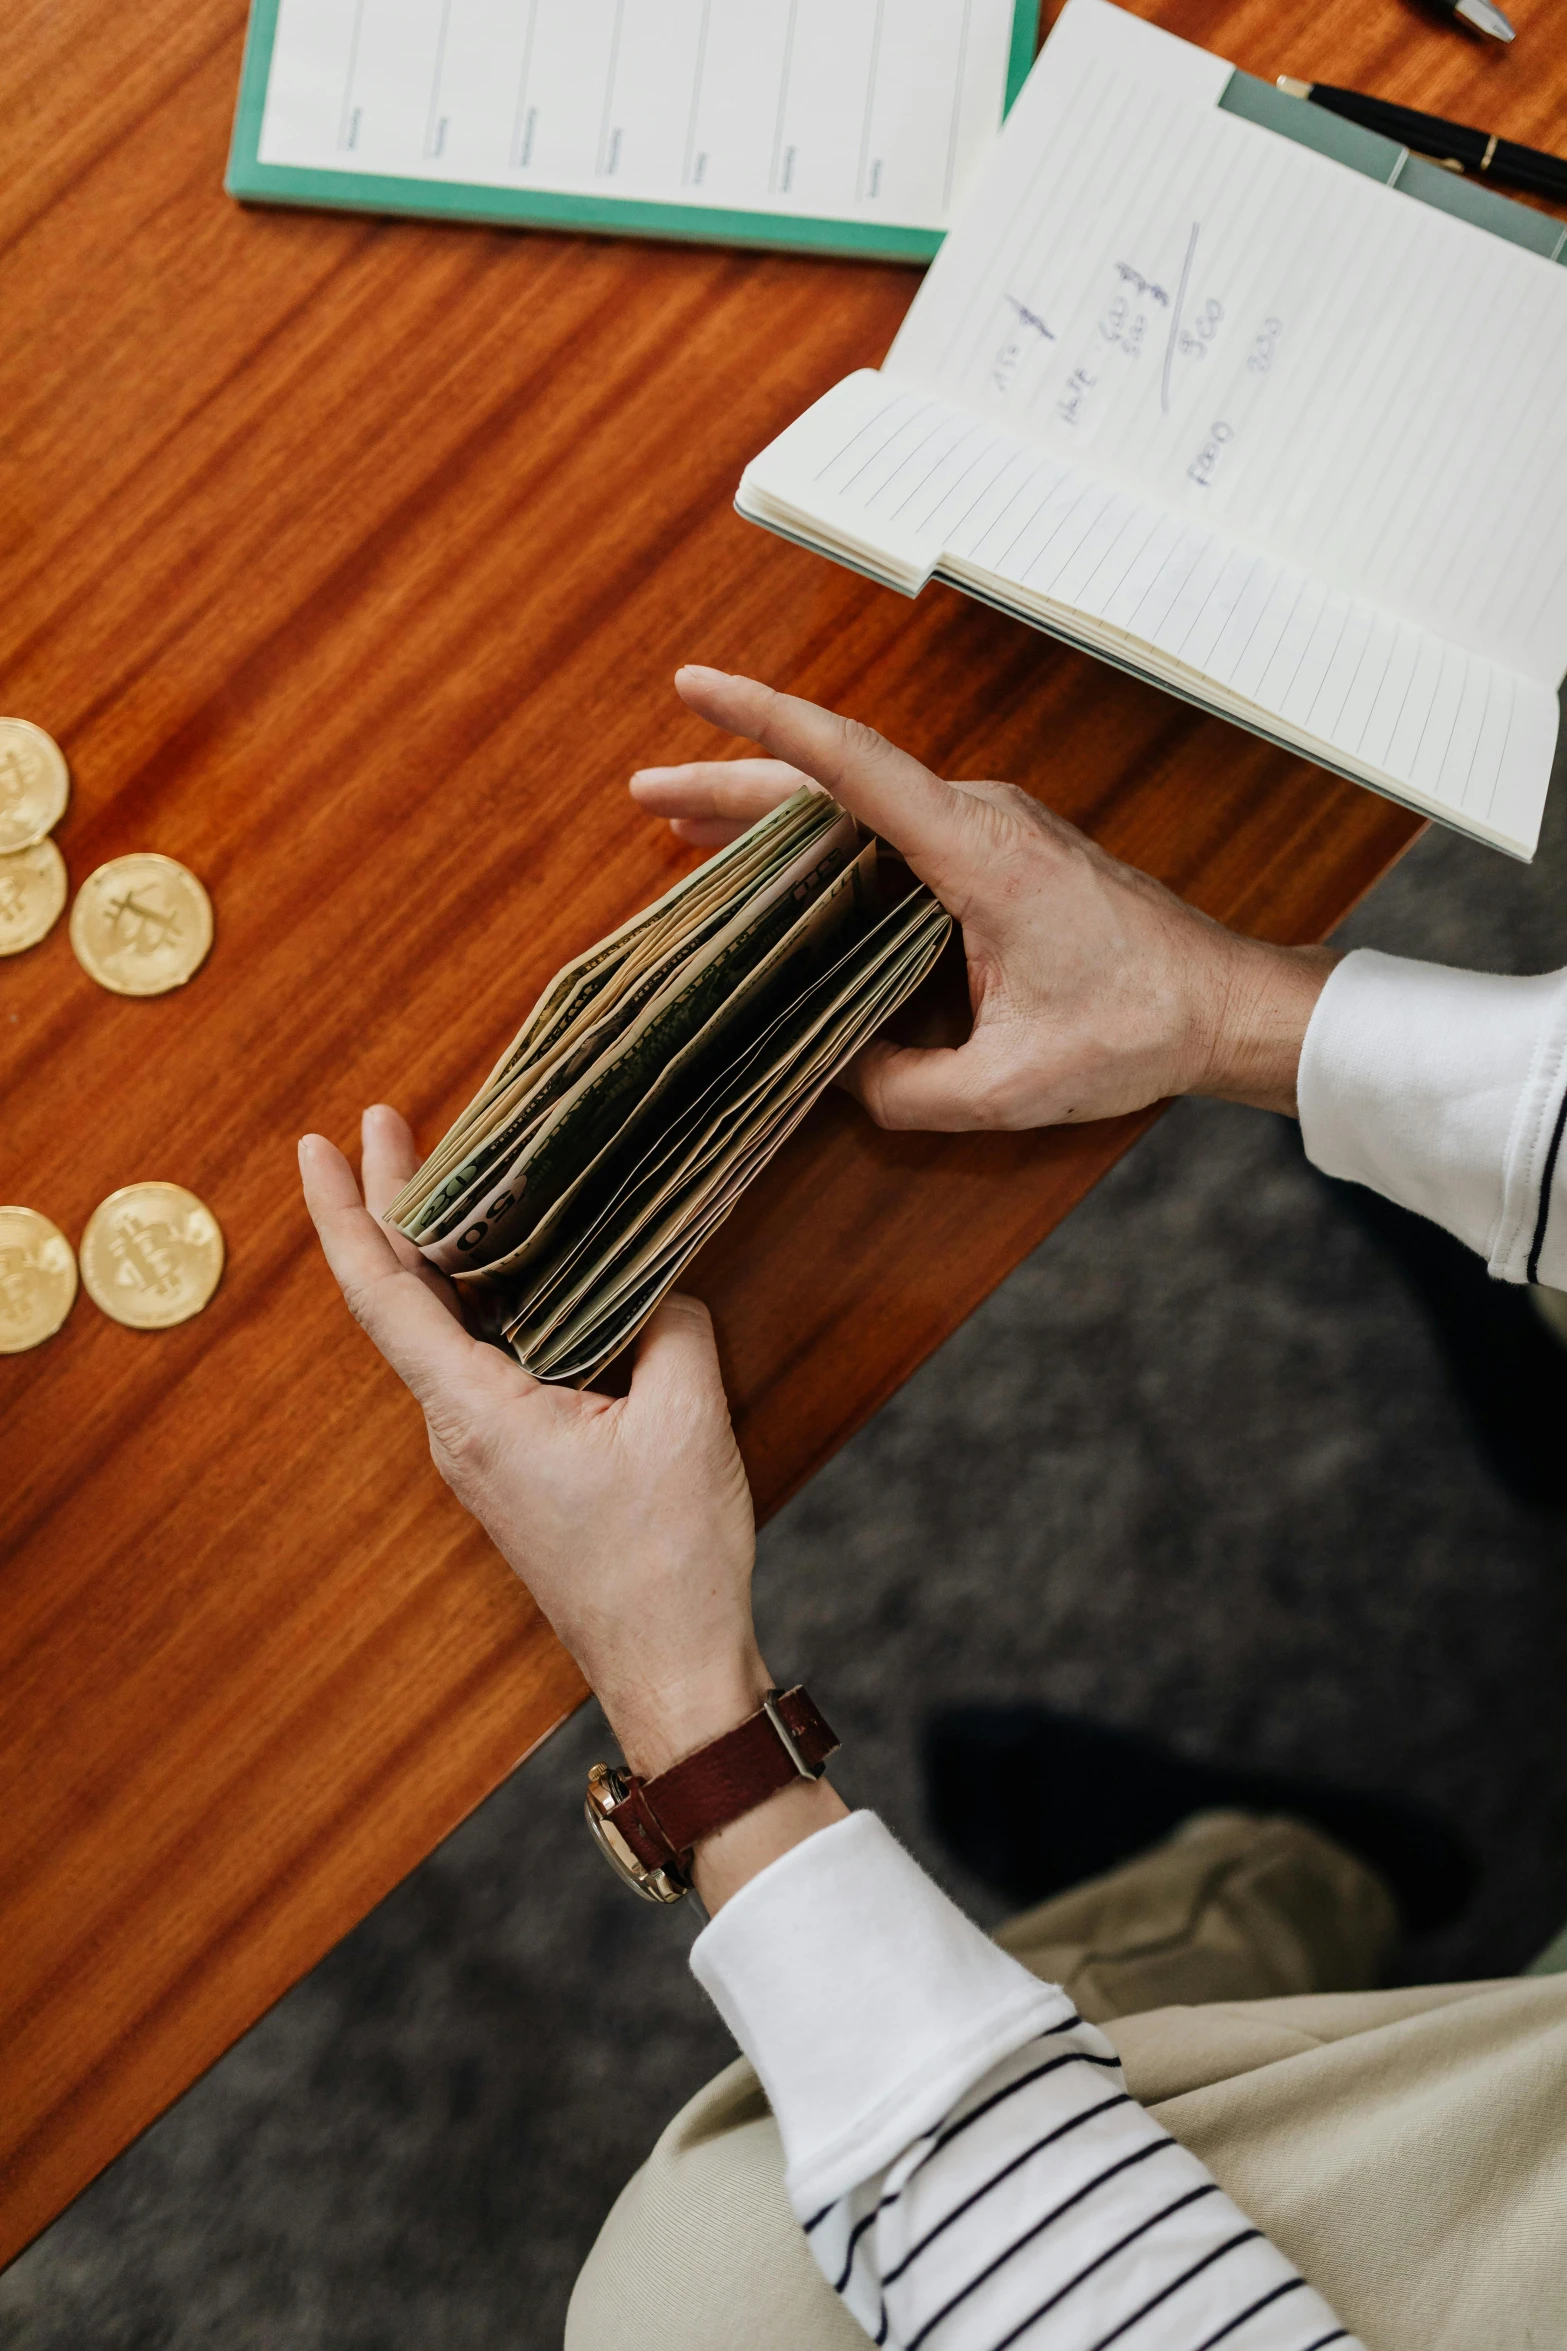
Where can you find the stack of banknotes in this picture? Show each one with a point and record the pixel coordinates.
(658, 1074)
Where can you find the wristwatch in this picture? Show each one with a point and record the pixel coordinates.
(647, 1829)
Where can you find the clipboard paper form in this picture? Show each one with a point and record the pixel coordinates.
(1235, 415)
(840, 126)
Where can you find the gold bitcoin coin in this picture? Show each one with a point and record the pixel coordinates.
(37, 1279)
(151, 1255)
(32, 892)
(35, 784)
(141, 924)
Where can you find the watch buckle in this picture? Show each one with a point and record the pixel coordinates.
(790, 1744)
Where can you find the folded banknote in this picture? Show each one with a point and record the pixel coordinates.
(658, 1074)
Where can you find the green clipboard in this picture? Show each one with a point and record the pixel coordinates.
(253, 181)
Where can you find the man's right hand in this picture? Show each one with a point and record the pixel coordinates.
(1094, 989)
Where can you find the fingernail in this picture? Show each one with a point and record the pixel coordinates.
(700, 669)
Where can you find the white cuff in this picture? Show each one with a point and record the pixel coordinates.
(1443, 1090)
(865, 2000)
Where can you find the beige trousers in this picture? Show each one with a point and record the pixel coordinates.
(1407, 2149)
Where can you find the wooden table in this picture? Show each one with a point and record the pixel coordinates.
(349, 562)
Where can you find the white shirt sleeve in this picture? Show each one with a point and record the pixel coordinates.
(960, 2147)
(1447, 1092)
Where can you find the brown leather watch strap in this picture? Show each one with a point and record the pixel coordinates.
(662, 1819)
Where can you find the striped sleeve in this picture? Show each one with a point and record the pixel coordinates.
(1447, 1092)
(962, 2151)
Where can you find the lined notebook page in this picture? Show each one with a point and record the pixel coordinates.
(846, 109)
(908, 485)
(1328, 370)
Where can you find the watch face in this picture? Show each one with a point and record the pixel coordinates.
(606, 1789)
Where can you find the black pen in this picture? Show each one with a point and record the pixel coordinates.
(1480, 153)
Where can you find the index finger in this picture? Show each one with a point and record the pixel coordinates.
(894, 793)
(420, 1340)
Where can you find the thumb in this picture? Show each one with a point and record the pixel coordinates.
(677, 1357)
(941, 1089)
(928, 821)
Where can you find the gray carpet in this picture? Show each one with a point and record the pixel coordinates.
(1196, 1467)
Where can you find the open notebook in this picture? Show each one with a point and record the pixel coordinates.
(1235, 416)
(846, 126)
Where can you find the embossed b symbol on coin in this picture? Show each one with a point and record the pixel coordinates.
(151, 1255)
(141, 924)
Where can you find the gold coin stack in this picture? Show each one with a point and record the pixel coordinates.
(35, 784)
(152, 1253)
(141, 924)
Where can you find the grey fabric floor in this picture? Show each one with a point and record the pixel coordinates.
(1196, 1468)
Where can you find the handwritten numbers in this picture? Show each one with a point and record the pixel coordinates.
(1264, 346)
(1194, 339)
(1124, 322)
(1201, 469)
(1123, 327)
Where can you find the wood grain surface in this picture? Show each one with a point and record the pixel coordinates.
(349, 562)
